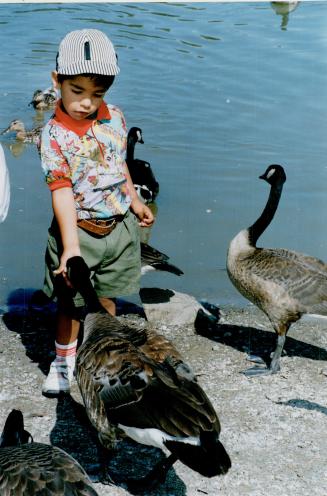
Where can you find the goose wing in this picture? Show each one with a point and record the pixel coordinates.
(140, 380)
(303, 277)
(102, 350)
(41, 469)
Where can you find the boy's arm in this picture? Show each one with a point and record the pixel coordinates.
(141, 210)
(65, 213)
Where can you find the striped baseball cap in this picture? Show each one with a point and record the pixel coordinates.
(86, 51)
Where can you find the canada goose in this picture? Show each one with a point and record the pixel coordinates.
(284, 284)
(32, 136)
(4, 186)
(134, 380)
(141, 173)
(152, 259)
(44, 100)
(28, 468)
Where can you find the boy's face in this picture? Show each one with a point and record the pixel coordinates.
(81, 96)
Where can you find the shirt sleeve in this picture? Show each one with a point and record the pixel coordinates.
(55, 166)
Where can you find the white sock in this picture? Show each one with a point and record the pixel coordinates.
(66, 353)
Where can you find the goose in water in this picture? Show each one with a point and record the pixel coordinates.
(4, 186)
(284, 284)
(134, 379)
(28, 468)
(141, 173)
(44, 100)
(152, 259)
(32, 136)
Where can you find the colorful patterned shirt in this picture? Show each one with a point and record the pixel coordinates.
(88, 156)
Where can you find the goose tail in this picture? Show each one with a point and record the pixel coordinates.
(167, 267)
(209, 458)
(13, 433)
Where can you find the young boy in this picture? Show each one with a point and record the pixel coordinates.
(83, 149)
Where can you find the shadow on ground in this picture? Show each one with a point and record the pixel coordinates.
(74, 433)
(256, 341)
(304, 404)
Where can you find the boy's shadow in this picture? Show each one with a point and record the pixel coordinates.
(36, 326)
(73, 431)
(257, 341)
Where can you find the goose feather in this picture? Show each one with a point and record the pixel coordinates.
(30, 468)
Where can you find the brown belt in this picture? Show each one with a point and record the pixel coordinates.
(98, 226)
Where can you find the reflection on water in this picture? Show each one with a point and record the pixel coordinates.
(220, 91)
(284, 9)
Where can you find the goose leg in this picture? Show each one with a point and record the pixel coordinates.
(274, 364)
(156, 476)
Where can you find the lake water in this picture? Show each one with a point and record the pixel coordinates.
(220, 90)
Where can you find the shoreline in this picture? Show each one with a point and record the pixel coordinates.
(273, 427)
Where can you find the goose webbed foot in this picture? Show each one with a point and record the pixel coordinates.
(101, 475)
(155, 477)
(273, 369)
(255, 359)
(257, 371)
(106, 479)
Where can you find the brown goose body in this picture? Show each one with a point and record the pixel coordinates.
(284, 284)
(29, 468)
(134, 379)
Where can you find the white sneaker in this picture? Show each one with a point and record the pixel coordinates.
(59, 378)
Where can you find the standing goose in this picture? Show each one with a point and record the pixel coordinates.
(4, 186)
(134, 380)
(284, 284)
(141, 173)
(28, 468)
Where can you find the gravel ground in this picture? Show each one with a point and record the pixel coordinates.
(273, 427)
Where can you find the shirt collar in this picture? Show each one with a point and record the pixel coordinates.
(80, 127)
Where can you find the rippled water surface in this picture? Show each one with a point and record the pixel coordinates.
(220, 91)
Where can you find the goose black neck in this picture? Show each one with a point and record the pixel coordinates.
(79, 275)
(267, 215)
(90, 297)
(130, 149)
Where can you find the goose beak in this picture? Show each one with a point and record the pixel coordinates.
(262, 177)
(5, 130)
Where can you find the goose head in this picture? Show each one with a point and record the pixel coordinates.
(37, 97)
(274, 175)
(15, 125)
(44, 100)
(14, 433)
(135, 135)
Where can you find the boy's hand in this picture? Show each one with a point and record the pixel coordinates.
(62, 269)
(143, 212)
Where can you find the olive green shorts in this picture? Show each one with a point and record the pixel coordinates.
(114, 260)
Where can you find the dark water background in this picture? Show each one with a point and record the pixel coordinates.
(220, 90)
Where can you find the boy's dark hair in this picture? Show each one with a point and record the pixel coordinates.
(99, 79)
